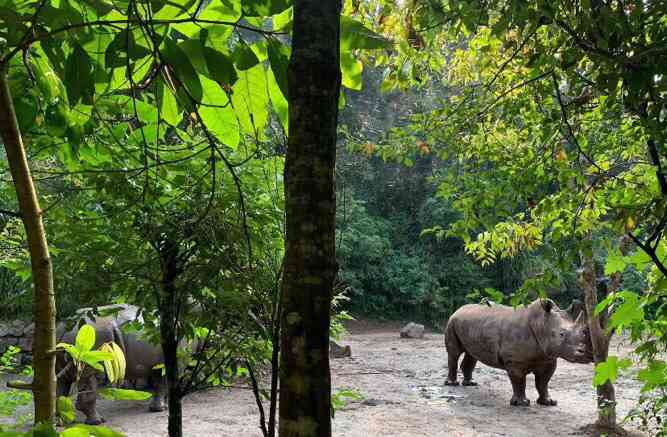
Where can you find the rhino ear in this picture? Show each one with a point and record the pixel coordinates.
(547, 305)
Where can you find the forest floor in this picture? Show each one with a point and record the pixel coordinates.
(401, 381)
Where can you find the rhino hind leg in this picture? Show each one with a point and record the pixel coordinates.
(86, 400)
(542, 377)
(468, 366)
(454, 351)
(518, 380)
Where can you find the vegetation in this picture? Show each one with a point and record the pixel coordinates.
(186, 155)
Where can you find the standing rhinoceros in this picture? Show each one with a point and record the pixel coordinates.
(521, 341)
(141, 357)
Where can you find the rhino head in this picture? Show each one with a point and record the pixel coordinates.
(558, 335)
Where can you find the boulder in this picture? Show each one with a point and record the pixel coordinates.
(29, 330)
(4, 329)
(16, 328)
(338, 351)
(25, 344)
(412, 330)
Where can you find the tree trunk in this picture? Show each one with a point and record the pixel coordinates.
(310, 264)
(44, 305)
(606, 396)
(168, 306)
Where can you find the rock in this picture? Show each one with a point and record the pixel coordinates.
(16, 328)
(412, 330)
(29, 330)
(5, 342)
(338, 351)
(4, 329)
(25, 344)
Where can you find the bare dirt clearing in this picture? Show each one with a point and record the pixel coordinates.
(402, 382)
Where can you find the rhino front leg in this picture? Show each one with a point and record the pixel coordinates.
(159, 394)
(542, 377)
(86, 400)
(518, 379)
(468, 365)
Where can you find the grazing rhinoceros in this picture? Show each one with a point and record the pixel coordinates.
(521, 341)
(141, 357)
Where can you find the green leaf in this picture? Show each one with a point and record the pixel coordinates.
(220, 67)
(81, 430)
(608, 370)
(264, 8)
(119, 394)
(615, 263)
(79, 80)
(628, 312)
(250, 101)
(47, 80)
(655, 375)
(354, 35)
(184, 70)
(351, 70)
(243, 56)
(169, 110)
(283, 21)
(65, 409)
(220, 119)
(278, 100)
(279, 55)
(123, 47)
(85, 338)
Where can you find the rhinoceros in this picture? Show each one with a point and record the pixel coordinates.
(524, 340)
(141, 357)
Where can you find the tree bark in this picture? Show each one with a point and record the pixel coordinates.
(310, 265)
(168, 306)
(606, 396)
(44, 305)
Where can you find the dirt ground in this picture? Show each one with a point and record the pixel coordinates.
(402, 384)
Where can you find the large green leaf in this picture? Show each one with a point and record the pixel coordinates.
(264, 8)
(85, 338)
(185, 72)
(279, 55)
(628, 312)
(608, 370)
(243, 56)
(169, 110)
(222, 10)
(220, 67)
(351, 69)
(218, 114)
(119, 394)
(123, 47)
(354, 35)
(81, 430)
(250, 100)
(278, 100)
(65, 409)
(79, 79)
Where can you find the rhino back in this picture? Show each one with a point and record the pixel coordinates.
(141, 356)
(496, 336)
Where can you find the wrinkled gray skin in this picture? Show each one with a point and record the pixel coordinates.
(521, 341)
(140, 356)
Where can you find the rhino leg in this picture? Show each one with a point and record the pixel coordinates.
(518, 379)
(159, 394)
(454, 351)
(468, 365)
(542, 377)
(86, 400)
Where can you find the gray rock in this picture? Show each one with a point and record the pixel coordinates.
(412, 330)
(25, 344)
(16, 328)
(4, 329)
(29, 330)
(338, 351)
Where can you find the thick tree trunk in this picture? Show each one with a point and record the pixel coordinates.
(168, 306)
(310, 264)
(606, 396)
(44, 306)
